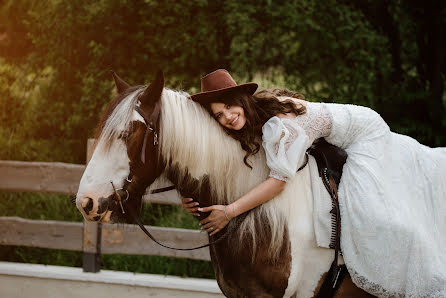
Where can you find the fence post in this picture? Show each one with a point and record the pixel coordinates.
(92, 234)
(92, 246)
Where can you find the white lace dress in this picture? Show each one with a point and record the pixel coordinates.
(392, 196)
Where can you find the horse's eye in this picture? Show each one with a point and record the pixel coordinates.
(124, 135)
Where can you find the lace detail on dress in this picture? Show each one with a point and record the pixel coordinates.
(316, 121)
(275, 175)
(436, 288)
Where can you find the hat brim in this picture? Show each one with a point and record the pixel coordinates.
(214, 95)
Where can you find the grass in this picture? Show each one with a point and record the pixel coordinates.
(58, 207)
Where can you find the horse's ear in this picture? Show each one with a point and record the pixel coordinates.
(153, 92)
(121, 86)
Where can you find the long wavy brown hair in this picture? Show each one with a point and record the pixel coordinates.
(259, 108)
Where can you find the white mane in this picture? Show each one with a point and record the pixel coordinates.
(196, 144)
(120, 119)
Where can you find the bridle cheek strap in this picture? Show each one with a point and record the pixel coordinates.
(144, 144)
(152, 126)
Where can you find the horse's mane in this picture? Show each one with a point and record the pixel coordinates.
(195, 144)
(117, 116)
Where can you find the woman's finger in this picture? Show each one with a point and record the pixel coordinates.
(192, 205)
(214, 232)
(205, 221)
(206, 209)
(192, 209)
(206, 226)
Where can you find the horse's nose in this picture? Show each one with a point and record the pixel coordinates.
(94, 211)
(103, 204)
(87, 204)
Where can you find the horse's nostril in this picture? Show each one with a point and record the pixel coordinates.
(103, 205)
(89, 206)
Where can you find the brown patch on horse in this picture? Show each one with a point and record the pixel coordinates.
(347, 289)
(237, 271)
(240, 275)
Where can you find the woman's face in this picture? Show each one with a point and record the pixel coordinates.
(229, 116)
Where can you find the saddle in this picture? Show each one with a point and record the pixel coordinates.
(328, 157)
(330, 161)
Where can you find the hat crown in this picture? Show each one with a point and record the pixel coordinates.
(217, 80)
(219, 83)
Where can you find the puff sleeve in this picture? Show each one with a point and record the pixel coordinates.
(285, 144)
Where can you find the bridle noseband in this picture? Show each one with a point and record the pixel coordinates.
(118, 196)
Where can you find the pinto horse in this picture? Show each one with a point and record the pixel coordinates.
(151, 131)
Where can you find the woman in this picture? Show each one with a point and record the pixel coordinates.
(392, 194)
(243, 116)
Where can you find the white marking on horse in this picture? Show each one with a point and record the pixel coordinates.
(95, 182)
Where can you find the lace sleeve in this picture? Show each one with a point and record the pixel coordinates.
(285, 144)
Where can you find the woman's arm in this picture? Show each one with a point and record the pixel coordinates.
(220, 215)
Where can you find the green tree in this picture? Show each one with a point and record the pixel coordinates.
(388, 55)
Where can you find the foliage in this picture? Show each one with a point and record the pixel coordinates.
(57, 55)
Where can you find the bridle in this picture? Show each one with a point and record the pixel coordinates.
(151, 128)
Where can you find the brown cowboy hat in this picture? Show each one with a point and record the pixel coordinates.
(218, 83)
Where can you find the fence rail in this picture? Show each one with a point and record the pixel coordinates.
(53, 177)
(92, 238)
(56, 177)
(123, 239)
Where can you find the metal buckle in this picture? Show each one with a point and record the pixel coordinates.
(118, 197)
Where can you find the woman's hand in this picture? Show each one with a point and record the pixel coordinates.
(190, 206)
(216, 221)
